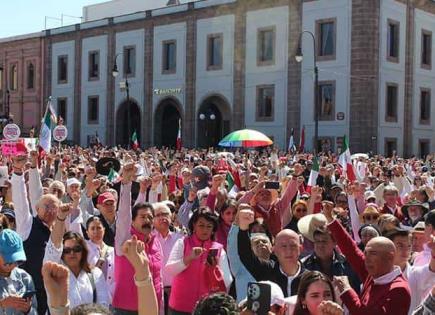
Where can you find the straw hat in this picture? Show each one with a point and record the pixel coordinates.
(310, 223)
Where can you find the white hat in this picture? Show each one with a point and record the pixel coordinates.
(369, 195)
(72, 181)
(308, 224)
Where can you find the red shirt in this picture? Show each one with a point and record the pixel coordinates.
(393, 298)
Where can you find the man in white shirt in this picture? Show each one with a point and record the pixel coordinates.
(167, 239)
(422, 279)
(423, 258)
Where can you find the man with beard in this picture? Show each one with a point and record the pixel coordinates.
(167, 239)
(139, 222)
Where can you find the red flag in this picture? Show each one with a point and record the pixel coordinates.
(178, 143)
(302, 140)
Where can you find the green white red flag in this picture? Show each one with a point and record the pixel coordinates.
(134, 141)
(345, 161)
(314, 173)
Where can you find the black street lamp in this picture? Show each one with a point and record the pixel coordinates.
(115, 73)
(299, 57)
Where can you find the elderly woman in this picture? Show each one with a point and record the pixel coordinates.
(194, 263)
(100, 254)
(87, 284)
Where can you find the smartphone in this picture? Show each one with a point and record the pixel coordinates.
(28, 295)
(259, 297)
(212, 253)
(271, 185)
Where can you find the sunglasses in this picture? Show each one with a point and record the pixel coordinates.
(371, 217)
(75, 249)
(300, 210)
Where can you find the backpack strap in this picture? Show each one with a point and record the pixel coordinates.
(94, 288)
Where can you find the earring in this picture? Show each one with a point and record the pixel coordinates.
(304, 306)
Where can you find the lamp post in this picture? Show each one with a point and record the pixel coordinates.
(204, 117)
(299, 57)
(115, 73)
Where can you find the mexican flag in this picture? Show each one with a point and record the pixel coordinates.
(345, 161)
(113, 176)
(179, 143)
(312, 180)
(134, 140)
(45, 133)
(233, 189)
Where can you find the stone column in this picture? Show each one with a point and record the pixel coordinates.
(364, 105)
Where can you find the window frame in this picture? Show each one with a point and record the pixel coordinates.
(59, 80)
(395, 59)
(13, 77)
(321, 83)
(427, 66)
(97, 77)
(420, 142)
(165, 56)
(124, 61)
(28, 64)
(210, 38)
(425, 121)
(257, 107)
(319, 23)
(58, 100)
(93, 97)
(263, 63)
(391, 118)
(386, 141)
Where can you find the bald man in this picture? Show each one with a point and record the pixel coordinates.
(287, 248)
(385, 291)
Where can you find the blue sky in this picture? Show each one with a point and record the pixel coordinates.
(27, 16)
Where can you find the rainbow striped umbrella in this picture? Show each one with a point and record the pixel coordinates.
(245, 138)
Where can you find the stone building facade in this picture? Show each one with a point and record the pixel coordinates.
(21, 80)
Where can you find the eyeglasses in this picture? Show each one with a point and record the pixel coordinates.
(75, 249)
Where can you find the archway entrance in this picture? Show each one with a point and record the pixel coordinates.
(166, 121)
(213, 121)
(123, 117)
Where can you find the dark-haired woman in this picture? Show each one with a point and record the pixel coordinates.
(100, 254)
(227, 215)
(197, 263)
(314, 289)
(87, 284)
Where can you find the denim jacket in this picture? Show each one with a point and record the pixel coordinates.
(239, 271)
(18, 283)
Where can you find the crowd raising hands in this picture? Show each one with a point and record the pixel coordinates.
(114, 231)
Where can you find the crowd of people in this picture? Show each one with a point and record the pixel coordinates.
(115, 231)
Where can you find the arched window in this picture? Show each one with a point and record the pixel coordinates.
(30, 76)
(13, 85)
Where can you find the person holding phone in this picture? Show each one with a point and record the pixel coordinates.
(198, 264)
(17, 291)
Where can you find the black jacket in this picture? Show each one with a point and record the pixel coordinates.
(263, 271)
(340, 267)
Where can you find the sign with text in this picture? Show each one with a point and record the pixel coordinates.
(60, 133)
(167, 91)
(13, 147)
(11, 132)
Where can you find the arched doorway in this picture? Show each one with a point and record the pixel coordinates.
(213, 121)
(123, 118)
(166, 121)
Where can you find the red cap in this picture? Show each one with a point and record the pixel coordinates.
(105, 196)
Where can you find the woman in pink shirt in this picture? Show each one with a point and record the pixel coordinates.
(194, 262)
